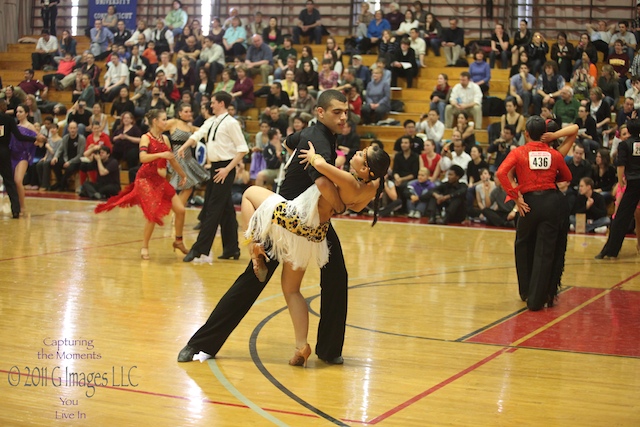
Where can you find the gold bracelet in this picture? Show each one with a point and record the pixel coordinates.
(314, 158)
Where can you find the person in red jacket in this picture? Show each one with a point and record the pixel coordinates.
(542, 210)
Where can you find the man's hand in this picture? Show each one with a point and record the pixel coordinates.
(221, 175)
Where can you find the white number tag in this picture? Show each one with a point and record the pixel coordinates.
(539, 160)
(636, 148)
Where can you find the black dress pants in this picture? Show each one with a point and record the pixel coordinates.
(535, 247)
(623, 218)
(235, 304)
(7, 177)
(219, 212)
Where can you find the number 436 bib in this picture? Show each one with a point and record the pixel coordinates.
(539, 160)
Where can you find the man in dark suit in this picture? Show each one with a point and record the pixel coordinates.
(234, 305)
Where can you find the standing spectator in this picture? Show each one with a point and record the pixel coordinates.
(378, 99)
(452, 42)
(101, 40)
(500, 46)
(176, 18)
(466, 96)
(46, 49)
(49, 11)
(309, 24)
(521, 87)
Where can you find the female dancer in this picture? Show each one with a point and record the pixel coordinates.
(151, 190)
(179, 132)
(293, 231)
(22, 153)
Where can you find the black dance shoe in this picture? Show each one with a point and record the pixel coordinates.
(235, 255)
(190, 256)
(186, 354)
(334, 361)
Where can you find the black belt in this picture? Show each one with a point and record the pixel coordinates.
(541, 192)
(221, 162)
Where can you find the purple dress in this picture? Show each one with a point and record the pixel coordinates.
(22, 150)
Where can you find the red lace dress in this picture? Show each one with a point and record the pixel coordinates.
(151, 191)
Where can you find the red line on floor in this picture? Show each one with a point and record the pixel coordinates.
(439, 386)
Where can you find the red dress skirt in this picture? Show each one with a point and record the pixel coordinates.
(151, 191)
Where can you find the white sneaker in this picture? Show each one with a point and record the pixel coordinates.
(572, 227)
(601, 230)
(417, 215)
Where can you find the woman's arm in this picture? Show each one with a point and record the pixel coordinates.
(570, 132)
(340, 178)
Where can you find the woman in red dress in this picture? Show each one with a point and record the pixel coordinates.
(151, 190)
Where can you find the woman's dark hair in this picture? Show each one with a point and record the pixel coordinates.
(605, 158)
(535, 127)
(378, 162)
(552, 125)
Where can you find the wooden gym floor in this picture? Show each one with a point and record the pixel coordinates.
(436, 332)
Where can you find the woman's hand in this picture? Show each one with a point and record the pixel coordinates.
(306, 156)
(167, 155)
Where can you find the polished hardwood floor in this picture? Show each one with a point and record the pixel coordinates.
(436, 335)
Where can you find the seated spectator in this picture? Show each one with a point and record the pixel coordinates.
(537, 51)
(261, 141)
(233, 14)
(289, 86)
(80, 115)
(96, 139)
(482, 191)
(277, 97)
(46, 49)
(474, 170)
(211, 58)
(121, 104)
(418, 194)
(141, 30)
(416, 143)
(101, 40)
(65, 68)
(162, 38)
(327, 78)
(404, 64)
(31, 86)
(585, 46)
(388, 46)
(466, 96)
(43, 167)
(584, 79)
(166, 86)
(355, 105)
(378, 99)
(363, 20)
(285, 63)
(499, 212)
(592, 204)
(620, 61)
(600, 110)
(116, 78)
(433, 33)
(522, 59)
(500, 46)
(349, 80)
(452, 42)
(453, 154)
(306, 55)
(158, 100)
(406, 164)
(121, 35)
(634, 91)
(601, 36)
(34, 116)
(521, 40)
(272, 35)
(217, 31)
(604, 174)
(521, 88)
(431, 125)
(259, 59)
(108, 179)
(587, 132)
(226, 84)
(409, 22)
(374, 32)
(234, 39)
(447, 204)
(361, 72)
(190, 49)
(67, 157)
(333, 51)
(66, 44)
(140, 97)
(275, 120)
(627, 38)
(309, 24)
(480, 71)
(548, 87)
(394, 16)
(110, 20)
(177, 18)
(348, 141)
(512, 117)
(431, 160)
(100, 117)
(566, 108)
(273, 158)
(439, 95)
(13, 97)
(381, 63)
(580, 168)
(502, 146)
(419, 46)
(307, 77)
(187, 79)
(126, 139)
(562, 53)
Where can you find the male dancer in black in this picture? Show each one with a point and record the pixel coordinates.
(234, 305)
(8, 127)
(629, 176)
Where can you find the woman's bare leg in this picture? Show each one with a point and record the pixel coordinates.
(184, 195)
(251, 200)
(18, 177)
(178, 208)
(146, 235)
(291, 281)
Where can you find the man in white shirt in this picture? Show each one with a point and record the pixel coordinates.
(602, 36)
(466, 97)
(46, 48)
(116, 78)
(418, 45)
(135, 37)
(226, 147)
(457, 156)
(432, 127)
(162, 36)
(169, 69)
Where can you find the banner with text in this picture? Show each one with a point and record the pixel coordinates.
(125, 10)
